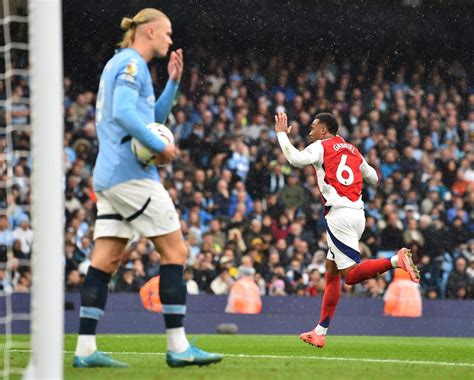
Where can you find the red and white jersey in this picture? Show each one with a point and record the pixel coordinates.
(339, 166)
(338, 172)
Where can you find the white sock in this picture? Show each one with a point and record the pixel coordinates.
(394, 260)
(176, 340)
(86, 345)
(320, 330)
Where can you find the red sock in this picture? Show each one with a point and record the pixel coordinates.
(367, 269)
(330, 298)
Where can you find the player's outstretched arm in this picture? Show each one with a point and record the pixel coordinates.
(165, 101)
(294, 156)
(369, 173)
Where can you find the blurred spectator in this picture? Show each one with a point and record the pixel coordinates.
(403, 297)
(191, 285)
(434, 248)
(373, 288)
(24, 284)
(6, 235)
(468, 251)
(71, 203)
(19, 108)
(292, 194)
(222, 198)
(277, 287)
(73, 281)
(152, 266)
(222, 283)
(459, 282)
(470, 273)
(316, 284)
(244, 297)
(130, 279)
(204, 271)
(391, 238)
(276, 179)
(413, 234)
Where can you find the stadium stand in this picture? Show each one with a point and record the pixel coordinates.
(413, 119)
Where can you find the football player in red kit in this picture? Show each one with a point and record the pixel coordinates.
(340, 170)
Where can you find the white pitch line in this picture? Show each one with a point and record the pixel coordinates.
(329, 358)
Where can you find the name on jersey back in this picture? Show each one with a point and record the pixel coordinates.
(338, 146)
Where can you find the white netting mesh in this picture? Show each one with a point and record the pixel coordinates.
(15, 232)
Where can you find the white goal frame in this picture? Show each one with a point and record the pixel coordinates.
(46, 100)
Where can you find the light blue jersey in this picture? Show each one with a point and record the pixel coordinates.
(125, 105)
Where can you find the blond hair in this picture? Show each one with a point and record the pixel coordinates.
(129, 25)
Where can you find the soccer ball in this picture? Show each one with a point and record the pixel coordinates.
(147, 156)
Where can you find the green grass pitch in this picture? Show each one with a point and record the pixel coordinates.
(280, 357)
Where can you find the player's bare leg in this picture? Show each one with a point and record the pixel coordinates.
(108, 252)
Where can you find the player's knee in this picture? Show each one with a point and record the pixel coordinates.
(349, 280)
(178, 255)
(114, 263)
(109, 266)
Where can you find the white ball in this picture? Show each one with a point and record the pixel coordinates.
(147, 156)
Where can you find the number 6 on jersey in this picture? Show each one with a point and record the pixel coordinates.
(342, 167)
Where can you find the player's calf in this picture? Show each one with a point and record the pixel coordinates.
(367, 269)
(93, 299)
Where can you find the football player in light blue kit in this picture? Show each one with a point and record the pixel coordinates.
(130, 195)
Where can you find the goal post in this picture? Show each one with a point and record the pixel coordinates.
(46, 86)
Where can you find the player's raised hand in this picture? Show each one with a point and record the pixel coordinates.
(281, 123)
(175, 65)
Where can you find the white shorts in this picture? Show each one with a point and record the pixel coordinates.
(344, 230)
(135, 207)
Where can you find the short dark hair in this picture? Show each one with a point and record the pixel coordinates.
(329, 120)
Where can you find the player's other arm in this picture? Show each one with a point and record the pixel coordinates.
(165, 101)
(294, 156)
(369, 173)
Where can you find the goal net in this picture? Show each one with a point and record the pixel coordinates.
(31, 176)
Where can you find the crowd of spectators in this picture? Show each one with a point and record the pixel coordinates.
(237, 196)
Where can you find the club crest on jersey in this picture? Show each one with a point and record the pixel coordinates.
(338, 146)
(151, 100)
